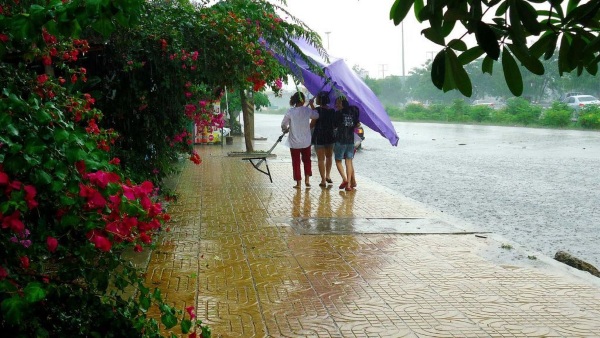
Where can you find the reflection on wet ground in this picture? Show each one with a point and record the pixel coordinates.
(237, 254)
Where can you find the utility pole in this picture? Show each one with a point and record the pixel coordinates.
(382, 69)
(327, 33)
(429, 53)
(402, 30)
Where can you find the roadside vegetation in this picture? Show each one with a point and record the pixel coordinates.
(516, 112)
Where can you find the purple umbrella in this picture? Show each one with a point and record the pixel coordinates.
(339, 80)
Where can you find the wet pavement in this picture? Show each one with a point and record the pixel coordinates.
(261, 259)
(537, 187)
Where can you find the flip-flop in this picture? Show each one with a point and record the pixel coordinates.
(329, 180)
(322, 185)
(343, 185)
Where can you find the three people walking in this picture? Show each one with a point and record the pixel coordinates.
(333, 133)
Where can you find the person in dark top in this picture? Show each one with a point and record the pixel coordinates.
(323, 138)
(346, 120)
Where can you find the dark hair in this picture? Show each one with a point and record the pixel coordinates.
(323, 98)
(344, 101)
(298, 97)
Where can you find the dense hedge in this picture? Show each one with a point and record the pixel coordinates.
(517, 111)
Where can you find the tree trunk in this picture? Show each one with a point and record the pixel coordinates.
(248, 114)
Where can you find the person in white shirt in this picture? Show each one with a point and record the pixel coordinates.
(297, 122)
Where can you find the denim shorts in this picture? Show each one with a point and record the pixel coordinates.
(342, 151)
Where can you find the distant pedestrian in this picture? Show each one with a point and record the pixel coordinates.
(297, 122)
(323, 138)
(346, 120)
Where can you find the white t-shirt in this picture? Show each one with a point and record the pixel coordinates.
(298, 120)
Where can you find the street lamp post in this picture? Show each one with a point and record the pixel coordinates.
(327, 33)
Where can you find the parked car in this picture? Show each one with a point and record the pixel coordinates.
(483, 103)
(579, 101)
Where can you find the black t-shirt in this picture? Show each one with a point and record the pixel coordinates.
(323, 133)
(345, 122)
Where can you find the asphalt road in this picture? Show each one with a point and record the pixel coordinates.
(537, 187)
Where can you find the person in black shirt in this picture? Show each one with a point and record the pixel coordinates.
(346, 120)
(323, 138)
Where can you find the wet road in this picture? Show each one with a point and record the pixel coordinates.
(537, 187)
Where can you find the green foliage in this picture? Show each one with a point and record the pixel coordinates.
(506, 34)
(558, 115)
(521, 111)
(589, 117)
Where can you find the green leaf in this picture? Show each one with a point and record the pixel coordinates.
(41, 177)
(457, 44)
(186, 325)
(592, 67)
(104, 26)
(399, 10)
(563, 55)
(34, 292)
(502, 8)
(13, 309)
(532, 64)
(512, 74)
(22, 28)
(92, 7)
(486, 39)
(434, 36)
(438, 69)
(60, 135)
(538, 48)
(470, 55)
(461, 78)
(419, 5)
(449, 83)
(528, 16)
(168, 320)
(75, 154)
(12, 130)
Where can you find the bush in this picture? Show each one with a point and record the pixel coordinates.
(416, 111)
(521, 111)
(589, 117)
(481, 113)
(558, 115)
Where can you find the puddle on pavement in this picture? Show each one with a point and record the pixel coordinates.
(414, 226)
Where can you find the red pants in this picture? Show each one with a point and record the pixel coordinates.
(305, 153)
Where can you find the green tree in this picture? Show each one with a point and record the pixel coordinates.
(569, 24)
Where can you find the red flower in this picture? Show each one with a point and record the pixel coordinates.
(145, 238)
(73, 78)
(190, 311)
(115, 161)
(46, 60)
(51, 243)
(3, 178)
(42, 78)
(3, 38)
(3, 273)
(30, 193)
(101, 242)
(25, 262)
(102, 178)
(13, 222)
(137, 248)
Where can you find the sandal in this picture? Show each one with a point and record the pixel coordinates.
(329, 180)
(349, 189)
(343, 185)
(322, 185)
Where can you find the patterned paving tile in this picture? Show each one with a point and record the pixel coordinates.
(232, 252)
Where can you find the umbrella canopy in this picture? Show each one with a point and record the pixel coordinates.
(339, 80)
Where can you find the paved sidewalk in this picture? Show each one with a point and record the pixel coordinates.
(261, 259)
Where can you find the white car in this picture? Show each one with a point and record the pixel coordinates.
(579, 101)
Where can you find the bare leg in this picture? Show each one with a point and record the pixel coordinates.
(328, 161)
(349, 170)
(321, 163)
(340, 169)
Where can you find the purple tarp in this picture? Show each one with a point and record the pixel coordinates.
(344, 81)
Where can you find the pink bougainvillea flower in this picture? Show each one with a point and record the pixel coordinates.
(80, 165)
(102, 178)
(51, 243)
(3, 178)
(100, 242)
(145, 238)
(41, 79)
(190, 311)
(25, 262)
(3, 273)
(14, 222)
(115, 161)
(46, 60)
(73, 78)
(137, 248)
(193, 335)
(30, 193)
(4, 38)
(96, 200)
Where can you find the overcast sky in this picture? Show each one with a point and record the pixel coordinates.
(362, 33)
